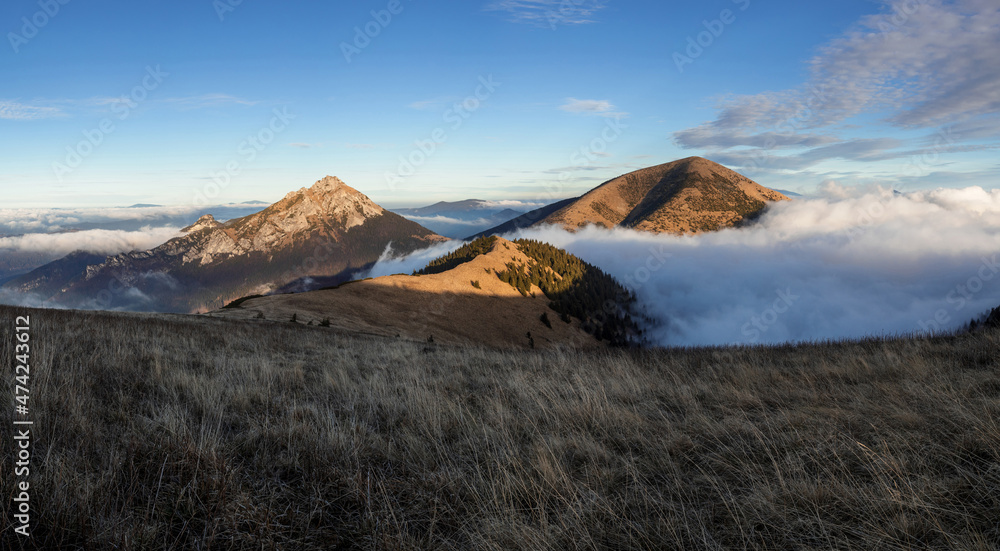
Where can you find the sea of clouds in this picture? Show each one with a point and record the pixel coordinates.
(848, 263)
(106, 242)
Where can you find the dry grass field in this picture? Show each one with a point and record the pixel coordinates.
(186, 432)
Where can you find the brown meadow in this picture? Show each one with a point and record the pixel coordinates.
(188, 432)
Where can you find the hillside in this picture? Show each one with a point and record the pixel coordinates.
(329, 230)
(191, 432)
(491, 292)
(692, 195)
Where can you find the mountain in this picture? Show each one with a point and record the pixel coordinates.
(49, 279)
(205, 222)
(444, 208)
(460, 218)
(328, 230)
(490, 292)
(526, 220)
(692, 195)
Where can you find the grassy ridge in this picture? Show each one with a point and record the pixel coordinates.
(461, 255)
(187, 432)
(574, 287)
(578, 289)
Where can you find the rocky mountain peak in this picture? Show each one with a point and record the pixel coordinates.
(327, 184)
(207, 221)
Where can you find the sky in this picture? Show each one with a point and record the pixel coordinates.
(415, 101)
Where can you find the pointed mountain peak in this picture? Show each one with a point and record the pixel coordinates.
(329, 199)
(330, 187)
(207, 221)
(328, 184)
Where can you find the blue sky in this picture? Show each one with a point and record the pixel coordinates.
(113, 103)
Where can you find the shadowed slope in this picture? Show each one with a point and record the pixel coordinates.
(692, 195)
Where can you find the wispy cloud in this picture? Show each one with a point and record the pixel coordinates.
(869, 150)
(67, 107)
(207, 100)
(18, 111)
(603, 108)
(549, 13)
(433, 103)
(935, 68)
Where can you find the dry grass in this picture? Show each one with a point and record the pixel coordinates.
(196, 433)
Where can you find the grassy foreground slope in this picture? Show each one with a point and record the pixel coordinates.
(175, 432)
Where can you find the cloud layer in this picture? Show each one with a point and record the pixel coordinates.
(106, 242)
(20, 221)
(848, 264)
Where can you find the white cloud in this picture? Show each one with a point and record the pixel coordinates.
(389, 264)
(935, 66)
(15, 110)
(106, 242)
(435, 103)
(512, 204)
(207, 100)
(602, 108)
(51, 108)
(38, 220)
(549, 13)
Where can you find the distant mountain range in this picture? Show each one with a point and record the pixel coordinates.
(457, 219)
(692, 195)
(327, 231)
(330, 233)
